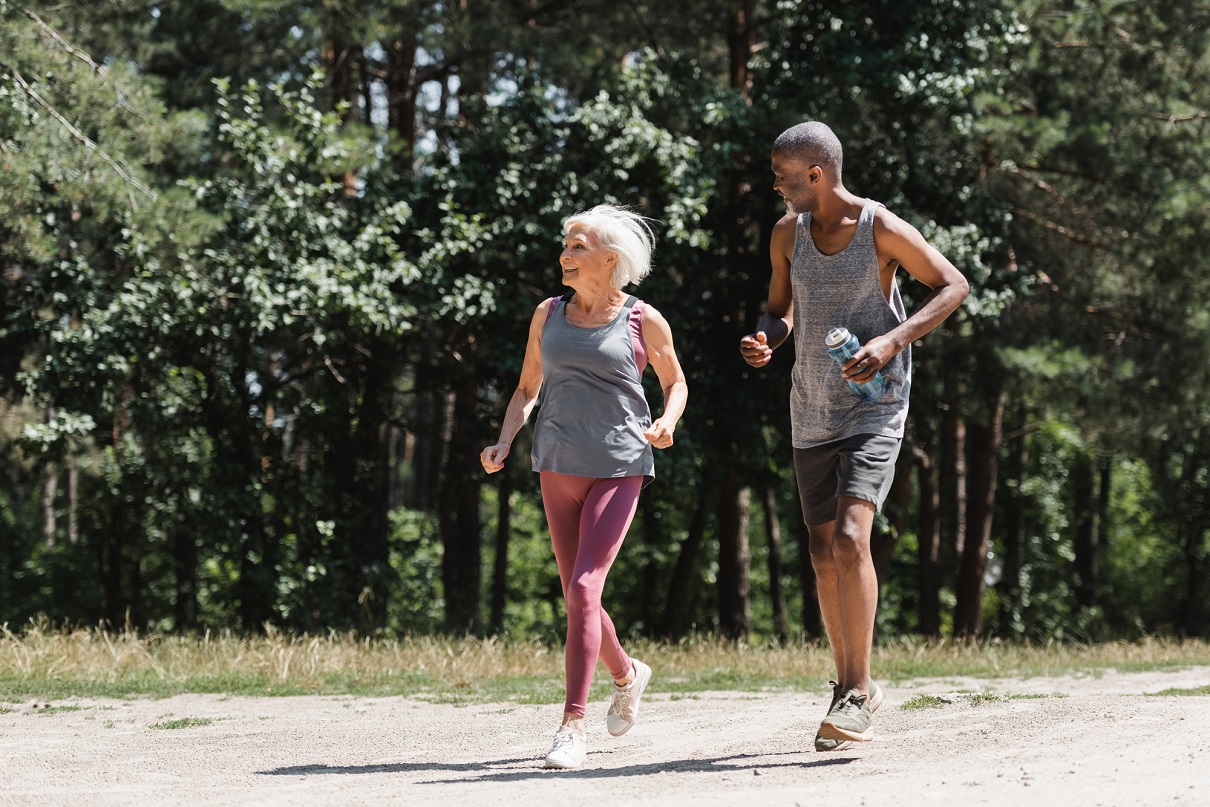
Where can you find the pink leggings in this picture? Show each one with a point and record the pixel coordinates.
(588, 519)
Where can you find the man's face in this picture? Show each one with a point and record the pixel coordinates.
(792, 179)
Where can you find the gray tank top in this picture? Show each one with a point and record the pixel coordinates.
(593, 411)
(842, 290)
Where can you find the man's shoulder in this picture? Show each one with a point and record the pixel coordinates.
(887, 221)
(787, 222)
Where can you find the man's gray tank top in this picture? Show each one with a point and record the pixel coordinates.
(842, 290)
(593, 411)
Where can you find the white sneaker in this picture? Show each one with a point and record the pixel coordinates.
(624, 709)
(568, 750)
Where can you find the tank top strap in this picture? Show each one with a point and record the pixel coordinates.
(865, 222)
(555, 302)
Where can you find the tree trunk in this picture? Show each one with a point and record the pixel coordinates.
(50, 490)
(401, 91)
(1014, 524)
(741, 39)
(929, 540)
(109, 557)
(73, 501)
(500, 565)
(985, 453)
(675, 607)
(1084, 509)
(649, 576)
(898, 502)
(733, 556)
(812, 622)
(184, 557)
(1192, 491)
(777, 598)
(364, 491)
(430, 431)
(458, 512)
(953, 467)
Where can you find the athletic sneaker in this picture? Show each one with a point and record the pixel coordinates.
(831, 745)
(624, 708)
(568, 750)
(824, 744)
(849, 719)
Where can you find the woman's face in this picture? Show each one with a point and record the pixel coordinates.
(584, 259)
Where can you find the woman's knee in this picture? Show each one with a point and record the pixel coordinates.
(582, 595)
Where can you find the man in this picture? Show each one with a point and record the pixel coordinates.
(834, 257)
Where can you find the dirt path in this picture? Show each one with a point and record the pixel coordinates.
(1103, 743)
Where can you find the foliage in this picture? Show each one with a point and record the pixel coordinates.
(252, 303)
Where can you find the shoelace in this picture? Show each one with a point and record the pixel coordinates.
(850, 704)
(621, 699)
(563, 738)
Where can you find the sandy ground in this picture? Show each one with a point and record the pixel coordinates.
(1096, 741)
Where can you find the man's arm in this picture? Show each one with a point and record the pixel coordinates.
(900, 244)
(778, 320)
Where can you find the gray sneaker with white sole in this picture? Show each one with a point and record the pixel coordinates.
(830, 744)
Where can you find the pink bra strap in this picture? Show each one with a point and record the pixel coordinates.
(550, 311)
(636, 335)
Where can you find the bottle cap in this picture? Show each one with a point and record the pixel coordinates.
(837, 337)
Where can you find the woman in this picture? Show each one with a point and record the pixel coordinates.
(593, 441)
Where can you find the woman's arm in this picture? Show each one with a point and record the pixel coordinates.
(662, 356)
(525, 396)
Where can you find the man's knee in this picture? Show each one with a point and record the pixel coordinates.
(850, 544)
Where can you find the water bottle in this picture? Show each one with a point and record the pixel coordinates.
(842, 346)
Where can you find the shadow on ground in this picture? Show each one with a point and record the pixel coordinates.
(529, 768)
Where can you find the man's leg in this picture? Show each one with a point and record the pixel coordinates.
(856, 589)
(827, 588)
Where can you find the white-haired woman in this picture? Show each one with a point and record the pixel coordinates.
(593, 440)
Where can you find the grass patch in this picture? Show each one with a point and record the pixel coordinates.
(182, 723)
(967, 698)
(1194, 691)
(56, 710)
(924, 702)
(47, 664)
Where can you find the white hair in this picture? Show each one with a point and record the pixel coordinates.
(623, 232)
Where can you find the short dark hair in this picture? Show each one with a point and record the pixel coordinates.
(813, 143)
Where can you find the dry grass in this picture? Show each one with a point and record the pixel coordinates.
(41, 661)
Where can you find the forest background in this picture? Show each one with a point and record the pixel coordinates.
(266, 268)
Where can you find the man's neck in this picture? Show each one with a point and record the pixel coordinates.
(836, 206)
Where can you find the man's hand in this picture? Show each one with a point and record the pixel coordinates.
(872, 357)
(755, 349)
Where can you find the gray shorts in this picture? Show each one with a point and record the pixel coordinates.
(862, 466)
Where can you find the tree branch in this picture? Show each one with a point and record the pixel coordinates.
(1066, 232)
(80, 136)
(84, 57)
(1173, 120)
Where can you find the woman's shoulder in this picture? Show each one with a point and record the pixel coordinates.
(651, 316)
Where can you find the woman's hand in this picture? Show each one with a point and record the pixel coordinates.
(493, 457)
(659, 434)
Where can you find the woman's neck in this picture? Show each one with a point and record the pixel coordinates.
(593, 300)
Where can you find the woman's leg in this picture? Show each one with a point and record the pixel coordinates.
(588, 520)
